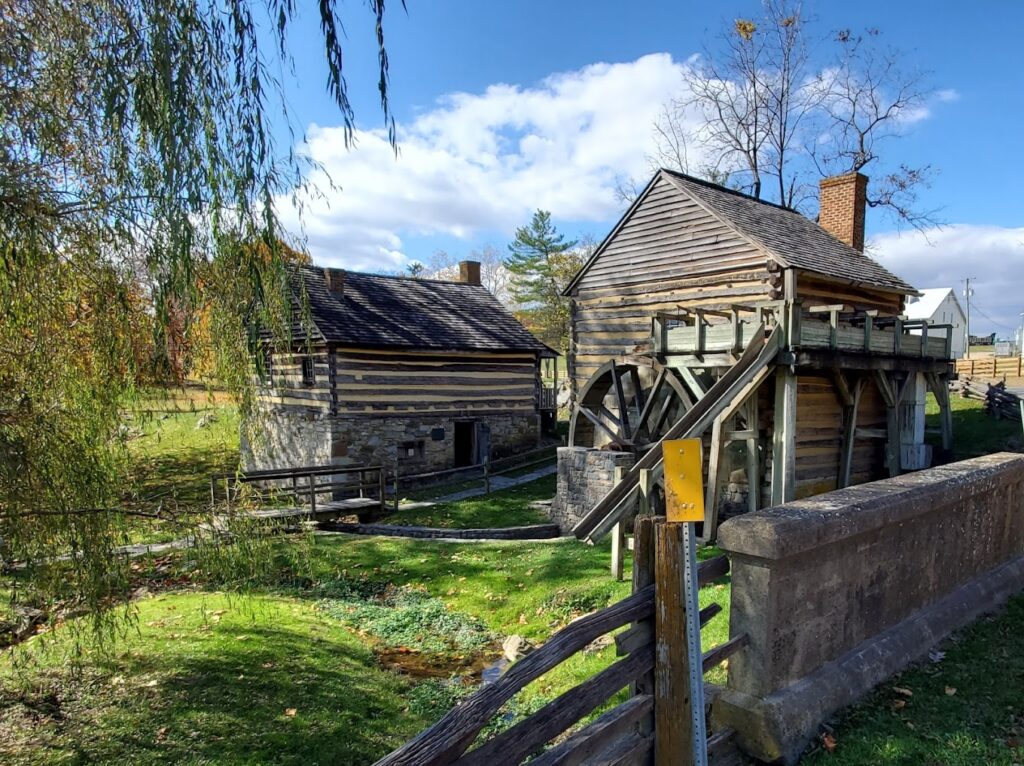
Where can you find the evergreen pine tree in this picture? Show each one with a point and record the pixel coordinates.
(542, 262)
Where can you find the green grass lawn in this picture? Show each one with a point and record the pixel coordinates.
(967, 710)
(975, 432)
(506, 508)
(208, 679)
(178, 439)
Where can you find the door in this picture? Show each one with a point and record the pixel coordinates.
(464, 446)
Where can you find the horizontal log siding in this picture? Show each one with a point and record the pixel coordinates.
(288, 390)
(669, 254)
(387, 383)
(819, 436)
(822, 291)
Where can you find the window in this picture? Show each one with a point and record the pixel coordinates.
(411, 450)
(308, 371)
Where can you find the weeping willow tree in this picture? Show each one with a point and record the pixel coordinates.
(139, 178)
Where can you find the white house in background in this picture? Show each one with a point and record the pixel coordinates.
(939, 304)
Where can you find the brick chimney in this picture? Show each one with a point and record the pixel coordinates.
(335, 279)
(841, 207)
(469, 272)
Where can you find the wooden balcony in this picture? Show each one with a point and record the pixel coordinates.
(716, 338)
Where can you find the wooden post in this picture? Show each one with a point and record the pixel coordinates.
(784, 437)
(849, 435)
(396, 486)
(382, 488)
(646, 484)
(711, 493)
(753, 458)
(312, 494)
(673, 734)
(213, 490)
(892, 422)
(487, 476)
(618, 537)
(643, 575)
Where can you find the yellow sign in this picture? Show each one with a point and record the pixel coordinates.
(684, 481)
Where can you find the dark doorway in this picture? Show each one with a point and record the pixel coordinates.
(464, 452)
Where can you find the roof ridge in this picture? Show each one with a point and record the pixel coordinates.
(402, 277)
(736, 192)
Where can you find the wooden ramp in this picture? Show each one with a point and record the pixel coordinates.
(722, 399)
(357, 506)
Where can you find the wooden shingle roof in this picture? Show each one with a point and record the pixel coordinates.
(789, 237)
(375, 311)
(783, 235)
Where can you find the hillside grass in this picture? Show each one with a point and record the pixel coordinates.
(211, 675)
(965, 710)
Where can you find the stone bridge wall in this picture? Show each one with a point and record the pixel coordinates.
(838, 592)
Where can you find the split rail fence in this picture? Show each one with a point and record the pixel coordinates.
(991, 367)
(651, 725)
(306, 485)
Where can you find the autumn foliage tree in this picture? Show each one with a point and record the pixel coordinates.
(139, 184)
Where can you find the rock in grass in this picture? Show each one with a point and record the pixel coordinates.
(516, 647)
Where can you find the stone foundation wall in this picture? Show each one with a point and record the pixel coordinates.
(417, 443)
(585, 476)
(289, 439)
(838, 592)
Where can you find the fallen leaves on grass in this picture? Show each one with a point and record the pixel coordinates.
(903, 690)
(829, 742)
(290, 712)
(950, 691)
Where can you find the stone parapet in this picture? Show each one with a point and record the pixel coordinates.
(837, 592)
(585, 476)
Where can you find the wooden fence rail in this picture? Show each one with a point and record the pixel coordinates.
(627, 730)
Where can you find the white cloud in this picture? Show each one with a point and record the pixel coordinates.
(480, 162)
(992, 256)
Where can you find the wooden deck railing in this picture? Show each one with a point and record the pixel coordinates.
(629, 730)
(303, 483)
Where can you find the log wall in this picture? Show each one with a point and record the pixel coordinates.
(819, 436)
(391, 382)
(287, 389)
(668, 254)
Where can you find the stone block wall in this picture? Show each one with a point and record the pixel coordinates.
(838, 592)
(294, 438)
(289, 438)
(585, 476)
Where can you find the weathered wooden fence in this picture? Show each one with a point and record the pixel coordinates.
(304, 484)
(991, 367)
(653, 724)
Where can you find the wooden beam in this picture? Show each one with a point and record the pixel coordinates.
(711, 492)
(618, 538)
(784, 437)
(849, 434)
(753, 457)
(597, 422)
(673, 735)
(620, 398)
(652, 395)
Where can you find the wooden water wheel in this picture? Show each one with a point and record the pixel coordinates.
(627, 405)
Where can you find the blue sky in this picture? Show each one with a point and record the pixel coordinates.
(504, 107)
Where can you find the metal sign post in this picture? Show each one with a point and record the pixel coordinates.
(684, 500)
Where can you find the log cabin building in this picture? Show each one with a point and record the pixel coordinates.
(425, 374)
(663, 310)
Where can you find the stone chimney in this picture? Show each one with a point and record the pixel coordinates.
(335, 279)
(469, 272)
(841, 207)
